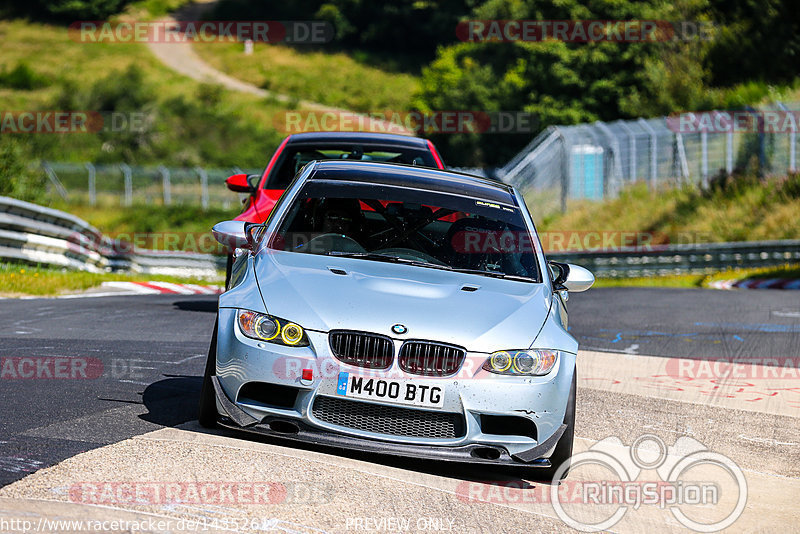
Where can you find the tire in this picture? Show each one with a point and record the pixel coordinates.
(563, 450)
(207, 410)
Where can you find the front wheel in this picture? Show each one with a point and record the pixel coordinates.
(207, 411)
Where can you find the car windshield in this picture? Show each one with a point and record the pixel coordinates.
(403, 225)
(294, 158)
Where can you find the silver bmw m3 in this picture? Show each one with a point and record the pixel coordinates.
(398, 310)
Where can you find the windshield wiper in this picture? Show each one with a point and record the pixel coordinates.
(496, 274)
(417, 263)
(389, 259)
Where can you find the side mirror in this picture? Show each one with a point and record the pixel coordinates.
(238, 234)
(231, 234)
(570, 277)
(241, 183)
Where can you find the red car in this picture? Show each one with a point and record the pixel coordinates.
(298, 149)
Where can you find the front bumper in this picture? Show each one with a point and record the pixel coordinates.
(295, 429)
(471, 394)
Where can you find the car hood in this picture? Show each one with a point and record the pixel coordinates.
(372, 296)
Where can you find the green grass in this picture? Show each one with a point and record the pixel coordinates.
(683, 280)
(150, 9)
(150, 218)
(174, 228)
(749, 210)
(334, 79)
(761, 273)
(62, 68)
(18, 280)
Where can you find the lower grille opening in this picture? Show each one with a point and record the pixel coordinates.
(284, 427)
(390, 420)
(270, 395)
(508, 425)
(486, 453)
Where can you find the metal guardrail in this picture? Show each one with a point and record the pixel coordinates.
(36, 234)
(39, 235)
(697, 258)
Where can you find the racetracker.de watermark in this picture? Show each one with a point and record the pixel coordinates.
(203, 31)
(784, 368)
(72, 368)
(114, 493)
(50, 368)
(72, 122)
(417, 122)
(736, 121)
(583, 31)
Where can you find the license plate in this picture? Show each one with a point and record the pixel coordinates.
(410, 392)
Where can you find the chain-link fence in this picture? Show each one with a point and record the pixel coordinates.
(594, 161)
(125, 185)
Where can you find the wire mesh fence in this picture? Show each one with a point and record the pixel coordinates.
(125, 185)
(595, 161)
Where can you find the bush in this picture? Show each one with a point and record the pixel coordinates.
(16, 178)
(21, 77)
(194, 130)
(70, 10)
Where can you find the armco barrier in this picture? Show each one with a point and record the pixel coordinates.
(698, 258)
(39, 235)
(42, 235)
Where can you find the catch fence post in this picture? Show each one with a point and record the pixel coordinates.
(165, 185)
(203, 186)
(126, 173)
(651, 134)
(792, 137)
(92, 184)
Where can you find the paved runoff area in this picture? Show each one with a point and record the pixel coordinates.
(688, 419)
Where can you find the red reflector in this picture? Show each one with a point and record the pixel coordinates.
(308, 374)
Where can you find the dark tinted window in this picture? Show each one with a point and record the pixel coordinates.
(388, 223)
(294, 158)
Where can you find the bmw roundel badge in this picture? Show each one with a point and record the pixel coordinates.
(399, 329)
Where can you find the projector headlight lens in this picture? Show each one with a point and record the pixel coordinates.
(273, 329)
(291, 334)
(522, 362)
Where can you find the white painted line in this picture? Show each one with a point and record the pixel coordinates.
(177, 288)
(130, 286)
(96, 295)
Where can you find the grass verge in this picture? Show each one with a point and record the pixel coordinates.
(746, 209)
(146, 218)
(21, 280)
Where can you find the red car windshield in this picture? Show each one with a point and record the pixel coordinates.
(293, 158)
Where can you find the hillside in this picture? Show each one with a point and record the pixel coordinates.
(746, 210)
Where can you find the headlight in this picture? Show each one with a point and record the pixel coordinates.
(273, 329)
(522, 362)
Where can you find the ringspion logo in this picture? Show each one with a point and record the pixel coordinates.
(692, 482)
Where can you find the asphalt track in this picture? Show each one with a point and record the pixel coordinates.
(146, 354)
